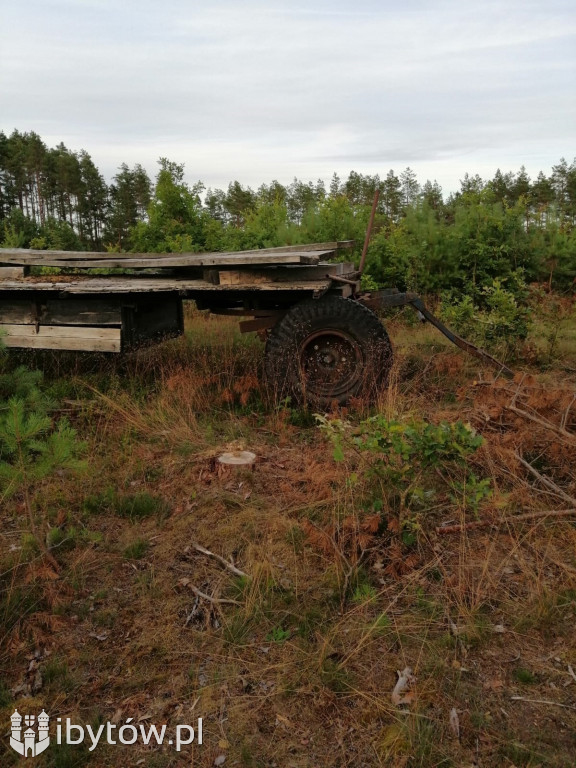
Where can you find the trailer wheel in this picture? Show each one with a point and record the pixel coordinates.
(327, 350)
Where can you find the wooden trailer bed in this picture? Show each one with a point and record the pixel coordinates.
(111, 302)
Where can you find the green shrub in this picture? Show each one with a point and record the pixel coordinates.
(410, 460)
(496, 318)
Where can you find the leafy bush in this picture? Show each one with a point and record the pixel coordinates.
(412, 460)
(497, 319)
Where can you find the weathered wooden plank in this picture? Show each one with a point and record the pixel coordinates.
(62, 337)
(60, 312)
(17, 312)
(81, 312)
(245, 277)
(121, 285)
(250, 275)
(21, 253)
(7, 272)
(63, 343)
(79, 332)
(66, 259)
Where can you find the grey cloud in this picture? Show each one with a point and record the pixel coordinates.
(258, 91)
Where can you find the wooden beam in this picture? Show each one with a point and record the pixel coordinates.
(17, 312)
(80, 332)
(13, 254)
(244, 277)
(8, 272)
(287, 274)
(122, 285)
(62, 337)
(53, 311)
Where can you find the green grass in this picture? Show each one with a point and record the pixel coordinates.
(137, 549)
(135, 506)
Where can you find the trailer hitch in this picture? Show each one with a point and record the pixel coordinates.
(392, 298)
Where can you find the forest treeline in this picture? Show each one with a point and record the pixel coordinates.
(507, 228)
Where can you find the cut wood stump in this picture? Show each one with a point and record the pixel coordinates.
(235, 460)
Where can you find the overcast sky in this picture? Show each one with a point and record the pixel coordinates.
(257, 91)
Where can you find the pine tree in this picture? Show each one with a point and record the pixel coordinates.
(32, 446)
(391, 198)
(409, 187)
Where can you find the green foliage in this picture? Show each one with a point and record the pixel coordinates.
(137, 549)
(174, 216)
(420, 444)
(61, 538)
(33, 445)
(56, 235)
(56, 198)
(524, 676)
(23, 384)
(368, 283)
(471, 491)
(363, 593)
(412, 460)
(55, 669)
(278, 635)
(334, 676)
(5, 695)
(67, 755)
(497, 319)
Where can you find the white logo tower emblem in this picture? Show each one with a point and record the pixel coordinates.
(29, 744)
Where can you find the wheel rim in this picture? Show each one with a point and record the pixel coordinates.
(331, 363)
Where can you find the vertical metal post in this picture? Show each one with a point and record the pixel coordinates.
(369, 230)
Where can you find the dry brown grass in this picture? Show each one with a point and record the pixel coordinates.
(300, 671)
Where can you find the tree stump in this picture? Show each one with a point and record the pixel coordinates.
(231, 461)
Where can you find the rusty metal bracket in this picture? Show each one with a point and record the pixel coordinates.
(340, 279)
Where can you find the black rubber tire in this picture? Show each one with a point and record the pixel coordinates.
(328, 350)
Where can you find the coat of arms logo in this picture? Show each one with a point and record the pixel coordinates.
(31, 742)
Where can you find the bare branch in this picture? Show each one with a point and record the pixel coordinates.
(231, 567)
(547, 481)
(569, 436)
(211, 599)
(443, 529)
(542, 701)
